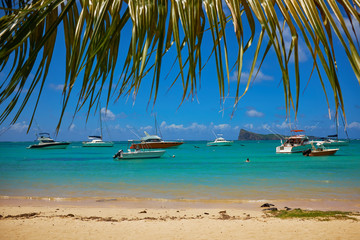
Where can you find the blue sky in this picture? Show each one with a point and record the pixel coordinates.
(262, 108)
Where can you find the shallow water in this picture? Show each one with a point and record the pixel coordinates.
(199, 172)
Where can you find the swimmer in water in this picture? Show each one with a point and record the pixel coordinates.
(247, 160)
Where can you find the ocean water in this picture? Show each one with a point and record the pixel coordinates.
(196, 172)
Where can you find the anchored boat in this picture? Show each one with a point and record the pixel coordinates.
(46, 142)
(295, 143)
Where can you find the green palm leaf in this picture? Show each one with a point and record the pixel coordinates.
(94, 30)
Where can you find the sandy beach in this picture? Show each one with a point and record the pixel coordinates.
(160, 219)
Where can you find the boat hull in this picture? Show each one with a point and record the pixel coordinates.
(141, 155)
(293, 149)
(60, 145)
(155, 145)
(335, 143)
(214, 144)
(323, 152)
(103, 144)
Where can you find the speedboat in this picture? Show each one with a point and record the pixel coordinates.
(154, 141)
(220, 141)
(46, 142)
(320, 150)
(96, 141)
(138, 154)
(295, 143)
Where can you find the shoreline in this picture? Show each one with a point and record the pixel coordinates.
(133, 202)
(157, 219)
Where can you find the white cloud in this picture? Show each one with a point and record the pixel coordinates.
(56, 87)
(254, 113)
(355, 125)
(146, 128)
(224, 126)
(174, 126)
(196, 126)
(283, 125)
(72, 126)
(245, 75)
(106, 114)
(193, 126)
(311, 127)
(164, 125)
(19, 127)
(249, 125)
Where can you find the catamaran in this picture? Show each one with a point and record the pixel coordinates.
(97, 141)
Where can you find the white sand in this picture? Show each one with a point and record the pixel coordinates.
(59, 220)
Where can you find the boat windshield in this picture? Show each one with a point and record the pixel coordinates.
(153, 140)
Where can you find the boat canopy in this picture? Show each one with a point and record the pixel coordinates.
(151, 138)
(95, 137)
(335, 135)
(298, 130)
(44, 133)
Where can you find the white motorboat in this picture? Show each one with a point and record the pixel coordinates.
(154, 141)
(319, 150)
(138, 154)
(220, 141)
(295, 143)
(96, 141)
(46, 142)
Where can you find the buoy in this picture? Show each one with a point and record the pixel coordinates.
(173, 156)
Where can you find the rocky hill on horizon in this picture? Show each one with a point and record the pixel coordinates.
(246, 135)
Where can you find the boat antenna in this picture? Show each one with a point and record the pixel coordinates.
(273, 132)
(342, 119)
(156, 127)
(214, 133)
(101, 132)
(134, 133)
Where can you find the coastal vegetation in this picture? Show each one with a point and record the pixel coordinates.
(93, 33)
(314, 214)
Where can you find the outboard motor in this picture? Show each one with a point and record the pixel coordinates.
(306, 152)
(118, 154)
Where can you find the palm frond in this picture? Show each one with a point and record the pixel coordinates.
(94, 30)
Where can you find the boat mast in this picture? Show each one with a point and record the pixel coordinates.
(101, 133)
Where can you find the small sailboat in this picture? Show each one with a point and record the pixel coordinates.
(46, 142)
(333, 140)
(97, 141)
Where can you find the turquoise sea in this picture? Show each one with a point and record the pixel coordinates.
(196, 172)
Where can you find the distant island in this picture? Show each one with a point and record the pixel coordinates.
(246, 135)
